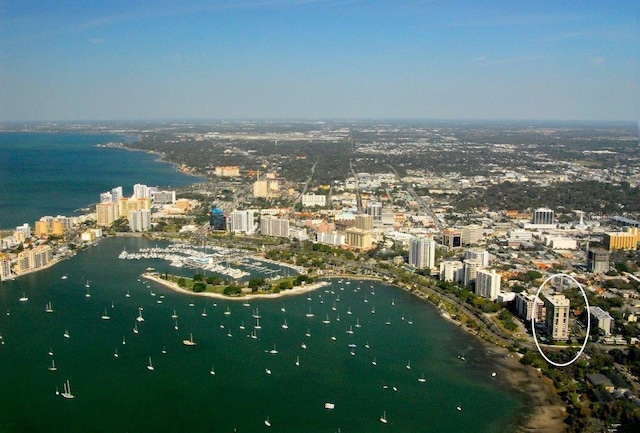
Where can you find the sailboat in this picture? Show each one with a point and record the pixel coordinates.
(242, 325)
(297, 361)
(212, 371)
(140, 318)
(105, 316)
(334, 306)
(350, 331)
(115, 353)
(358, 323)
(227, 311)
(174, 315)
(374, 361)
(190, 341)
(409, 365)
(258, 323)
(164, 350)
(349, 311)
(67, 391)
(204, 312)
(308, 333)
(87, 295)
(373, 310)
(256, 314)
(50, 351)
(421, 379)
(24, 298)
(326, 320)
(53, 366)
(150, 366)
(267, 422)
(128, 295)
(48, 308)
(273, 351)
(309, 314)
(304, 346)
(383, 418)
(124, 341)
(135, 328)
(175, 325)
(87, 284)
(283, 309)
(66, 333)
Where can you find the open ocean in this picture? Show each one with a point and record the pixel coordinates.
(59, 173)
(120, 394)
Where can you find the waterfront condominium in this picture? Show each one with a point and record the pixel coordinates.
(422, 252)
(557, 320)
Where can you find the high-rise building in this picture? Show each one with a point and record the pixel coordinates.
(524, 307)
(242, 221)
(141, 191)
(557, 320)
(163, 197)
(471, 267)
(358, 238)
(41, 228)
(452, 238)
(543, 216)
(488, 284)
(422, 252)
(260, 188)
(217, 219)
(598, 260)
(601, 319)
(116, 194)
(106, 213)
(139, 220)
(364, 222)
(274, 226)
(30, 259)
(451, 270)
(472, 234)
(25, 229)
(481, 255)
(106, 197)
(375, 210)
(5, 267)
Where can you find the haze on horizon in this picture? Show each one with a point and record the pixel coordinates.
(160, 59)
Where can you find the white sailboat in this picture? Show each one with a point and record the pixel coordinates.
(212, 372)
(190, 341)
(326, 320)
(48, 308)
(204, 312)
(285, 325)
(297, 361)
(409, 365)
(227, 311)
(24, 298)
(115, 353)
(87, 295)
(383, 418)
(257, 326)
(308, 333)
(304, 346)
(175, 325)
(421, 379)
(358, 325)
(309, 314)
(135, 328)
(50, 350)
(267, 422)
(140, 318)
(128, 295)
(242, 327)
(105, 316)
(67, 391)
(273, 351)
(53, 366)
(66, 333)
(150, 365)
(124, 341)
(350, 331)
(164, 350)
(174, 315)
(374, 362)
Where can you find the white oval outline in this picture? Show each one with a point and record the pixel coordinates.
(533, 326)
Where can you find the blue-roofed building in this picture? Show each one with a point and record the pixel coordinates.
(217, 219)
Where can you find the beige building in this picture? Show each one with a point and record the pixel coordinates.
(557, 320)
(106, 213)
(34, 258)
(622, 240)
(228, 171)
(358, 238)
(5, 267)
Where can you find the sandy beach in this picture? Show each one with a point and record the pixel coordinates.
(295, 291)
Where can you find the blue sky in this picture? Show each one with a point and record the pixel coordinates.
(276, 59)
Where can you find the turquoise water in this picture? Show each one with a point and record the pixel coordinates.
(58, 173)
(121, 394)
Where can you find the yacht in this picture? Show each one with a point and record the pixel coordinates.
(329, 405)
(304, 346)
(24, 298)
(150, 366)
(189, 342)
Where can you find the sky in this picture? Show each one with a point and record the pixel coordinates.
(304, 59)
